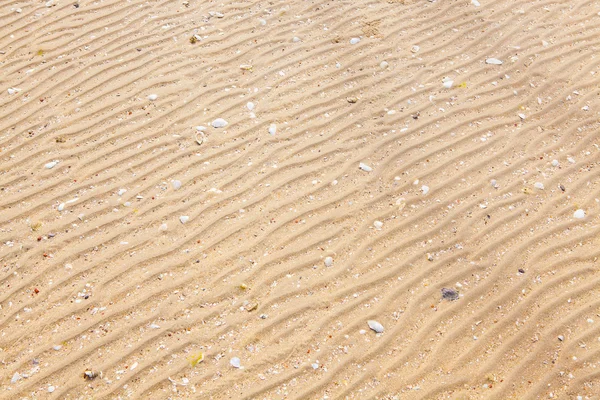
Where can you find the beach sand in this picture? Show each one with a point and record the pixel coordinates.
(212, 199)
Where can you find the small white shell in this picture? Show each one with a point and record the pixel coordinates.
(61, 206)
(493, 61)
(273, 129)
(51, 164)
(121, 192)
(153, 97)
(365, 167)
(378, 225)
(176, 184)
(250, 105)
(354, 40)
(219, 123)
(235, 362)
(579, 214)
(328, 261)
(184, 219)
(376, 326)
(425, 189)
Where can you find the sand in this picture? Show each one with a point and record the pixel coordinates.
(154, 255)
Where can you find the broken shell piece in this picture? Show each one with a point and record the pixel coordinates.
(493, 61)
(365, 167)
(415, 49)
(184, 218)
(328, 261)
(376, 326)
(51, 164)
(246, 67)
(153, 97)
(235, 362)
(219, 123)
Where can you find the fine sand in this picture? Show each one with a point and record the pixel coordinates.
(243, 262)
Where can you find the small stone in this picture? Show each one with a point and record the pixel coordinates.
(415, 49)
(328, 261)
(121, 192)
(262, 21)
(235, 362)
(219, 123)
(51, 389)
(200, 128)
(176, 184)
(429, 257)
(494, 184)
(378, 225)
(376, 326)
(561, 338)
(522, 116)
(365, 167)
(15, 378)
(555, 163)
(449, 294)
(250, 105)
(272, 129)
(57, 347)
(61, 206)
(153, 97)
(521, 271)
(351, 100)
(184, 219)
(539, 185)
(447, 82)
(579, 214)
(384, 65)
(425, 189)
(354, 40)
(571, 160)
(51, 164)
(475, 3)
(163, 227)
(493, 61)
(295, 39)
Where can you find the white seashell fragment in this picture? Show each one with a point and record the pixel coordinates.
(475, 3)
(235, 362)
(328, 261)
(384, 65)
(13, 90)
(579, 214)
(51, 164)
(415, 49)
(555, 163)
(493, 61)
(121, 192)
(425, 189)
(184, 219)
(153, 97)
(219, 123)
(365, 167)
(273, 129)
(250, 105)
(376, 326)
(522, 116)
(295, 39)
(61, 206)
(163, 227)
(448, 83)
(15, 378)
(354, 40)
(200, 128)
(378, 225)
(539, 185)
(176, 184)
